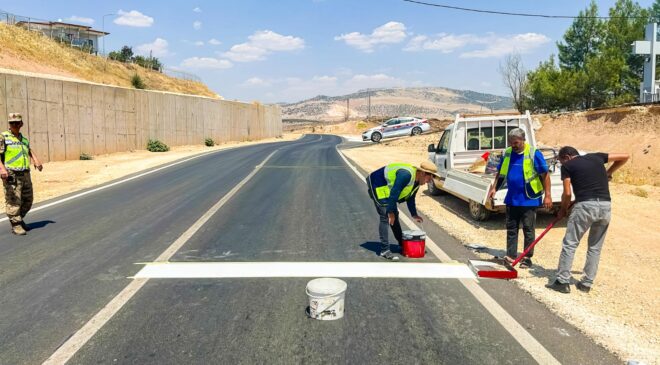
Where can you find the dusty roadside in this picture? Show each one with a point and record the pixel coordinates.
(63, 177)
(622, 312)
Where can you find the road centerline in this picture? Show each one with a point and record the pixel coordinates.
(74, 343)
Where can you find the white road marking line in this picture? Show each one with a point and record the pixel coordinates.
(78, 340)
(196, 270)
(515, 329)
(122, 181)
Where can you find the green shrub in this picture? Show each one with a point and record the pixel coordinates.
(137, 82)
(209, 142)
(85, 156)
(155, 145)
(361, 125)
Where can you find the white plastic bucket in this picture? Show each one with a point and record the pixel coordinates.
(326, 298)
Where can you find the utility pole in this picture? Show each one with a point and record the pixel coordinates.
(103, 30)
(348, 110)
(368, 104)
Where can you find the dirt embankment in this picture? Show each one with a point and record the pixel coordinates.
(23, 50)
(632, 130)
(622, 311)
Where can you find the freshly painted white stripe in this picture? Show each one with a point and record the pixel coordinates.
(76, 196)
(189, 270)
(78, 340)
(515, 329)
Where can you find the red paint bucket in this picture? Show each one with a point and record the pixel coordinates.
(414, 244)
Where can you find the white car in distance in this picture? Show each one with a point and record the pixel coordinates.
(397, 127)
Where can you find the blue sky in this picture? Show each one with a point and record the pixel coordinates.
(276, 51)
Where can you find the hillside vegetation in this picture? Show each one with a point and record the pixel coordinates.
(23, 50)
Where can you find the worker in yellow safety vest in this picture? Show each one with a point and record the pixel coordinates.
(392, 184)
(526, 174)
(16, 155)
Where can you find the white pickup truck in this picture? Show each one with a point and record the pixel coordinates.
(464, 142)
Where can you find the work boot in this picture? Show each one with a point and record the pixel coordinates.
(18, 230)
(388, 255)
(560, 287)
(581, 287)
(25, 226)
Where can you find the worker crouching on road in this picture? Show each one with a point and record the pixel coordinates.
(16, 154)
(592, 210)
(392, 184)
(527, 178)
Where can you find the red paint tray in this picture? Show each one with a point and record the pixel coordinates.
(499, 268)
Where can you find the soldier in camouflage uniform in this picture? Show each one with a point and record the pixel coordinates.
(16, 154)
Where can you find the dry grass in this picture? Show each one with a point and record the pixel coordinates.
(639, 192)
(24, 50)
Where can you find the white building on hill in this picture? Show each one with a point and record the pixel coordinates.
(76, 35)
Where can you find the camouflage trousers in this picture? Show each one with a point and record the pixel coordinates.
(18, 195)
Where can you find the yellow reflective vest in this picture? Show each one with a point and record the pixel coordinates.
(17, 152)
(532, 180)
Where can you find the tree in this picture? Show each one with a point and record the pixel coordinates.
(123, 55)
(584, 38)
(549, 88)
(654, 11)
(626, 25)
(514, 76)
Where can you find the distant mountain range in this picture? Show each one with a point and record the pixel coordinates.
(427, 102)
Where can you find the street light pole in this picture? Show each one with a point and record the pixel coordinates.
(103, 30)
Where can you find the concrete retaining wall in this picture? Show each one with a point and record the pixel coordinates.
(63, 119)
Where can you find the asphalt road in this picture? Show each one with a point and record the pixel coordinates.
(305, 204)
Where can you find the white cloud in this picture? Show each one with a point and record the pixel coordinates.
(197, 9)
(489, 45)
(80, 19)
(388, 33)
(445, 43)
(262, 43)
(256, 82)
(206, 63)
(214, 42)
(197, 25)
(362, 81)
(245, 52)
(157, 48)
(133, 18)
(272, 41)
(199, 43)
(498, 46)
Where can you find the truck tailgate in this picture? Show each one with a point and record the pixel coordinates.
(467, 185)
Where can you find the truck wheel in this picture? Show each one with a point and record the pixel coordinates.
(416, 131)
(478, 212)
(376, 137)
(433, 190)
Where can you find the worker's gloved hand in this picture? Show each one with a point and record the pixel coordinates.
(418, 219)
(3, 175)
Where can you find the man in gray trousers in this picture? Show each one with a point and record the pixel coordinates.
(592, 211)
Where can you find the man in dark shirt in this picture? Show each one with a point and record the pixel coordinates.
(393, 184)
(591, 211)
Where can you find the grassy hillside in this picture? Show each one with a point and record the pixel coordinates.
(23, 50)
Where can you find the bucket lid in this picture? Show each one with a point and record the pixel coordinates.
(326, 286)
(414, 235)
